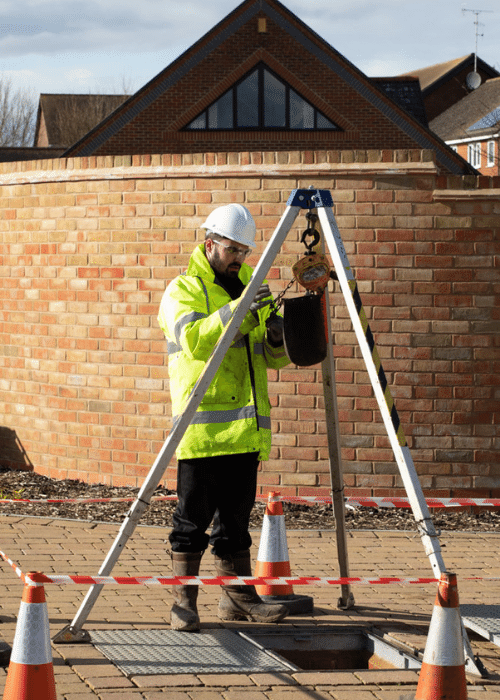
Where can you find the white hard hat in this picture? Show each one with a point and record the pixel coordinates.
(232, 221)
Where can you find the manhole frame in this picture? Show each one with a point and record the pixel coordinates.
(375, 643)
(266, 644)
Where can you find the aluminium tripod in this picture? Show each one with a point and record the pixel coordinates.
(320, 200)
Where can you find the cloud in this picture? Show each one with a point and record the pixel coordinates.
(138, 39)
(79, 76)
(58, 26)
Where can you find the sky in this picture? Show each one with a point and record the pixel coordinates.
(117, 46)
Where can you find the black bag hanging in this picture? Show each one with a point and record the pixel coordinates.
(305, 329)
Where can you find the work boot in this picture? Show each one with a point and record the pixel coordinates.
(243, 602)
(184, 614)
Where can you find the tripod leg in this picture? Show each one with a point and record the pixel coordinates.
(73, 632)
(346, 599)
(381, 389)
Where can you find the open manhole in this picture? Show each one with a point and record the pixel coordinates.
(152, 652)
(349, 649)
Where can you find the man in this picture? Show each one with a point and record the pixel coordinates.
(230, 433)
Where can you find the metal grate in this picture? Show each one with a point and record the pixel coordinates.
(483, 619)
(152, 652)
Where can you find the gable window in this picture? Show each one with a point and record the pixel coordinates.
(474, 154)
(490, 151)
(261, 100)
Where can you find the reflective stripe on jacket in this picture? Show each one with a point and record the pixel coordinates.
(234, 415)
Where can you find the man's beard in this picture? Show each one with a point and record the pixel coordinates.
(231, 271)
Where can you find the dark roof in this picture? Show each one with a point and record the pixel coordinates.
(477, 114)
(406, 93)
(68, 117)
(17, 153)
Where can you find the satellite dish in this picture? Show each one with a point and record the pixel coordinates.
(473, 80)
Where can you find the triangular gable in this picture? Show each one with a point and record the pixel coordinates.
(261, 31)
(261, 99)
(262, 55)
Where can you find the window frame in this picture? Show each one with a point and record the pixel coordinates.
(260, 68)
(474, 154)
(490, 157)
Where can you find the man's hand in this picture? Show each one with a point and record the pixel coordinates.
(260, 299)
(274, 326)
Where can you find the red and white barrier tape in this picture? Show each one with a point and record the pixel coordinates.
(64, 579)
(81, 500)
(402, 502)
(225, 580)
(16, 568)
(369, 502)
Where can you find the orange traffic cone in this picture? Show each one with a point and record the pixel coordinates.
(273, 560)
(31, 673)
(443, 668)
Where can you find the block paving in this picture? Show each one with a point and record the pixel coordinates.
(399, 611)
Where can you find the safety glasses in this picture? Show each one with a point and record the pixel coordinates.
(232, 250)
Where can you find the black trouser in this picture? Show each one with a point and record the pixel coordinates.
(220, 488)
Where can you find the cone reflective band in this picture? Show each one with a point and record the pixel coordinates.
(31, 672)
(273, 559)
(443, 667)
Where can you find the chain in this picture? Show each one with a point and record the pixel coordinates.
(276, 303)
(311, 231)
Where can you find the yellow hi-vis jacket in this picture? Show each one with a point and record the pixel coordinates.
(234, 415)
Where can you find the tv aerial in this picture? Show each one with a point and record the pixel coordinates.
(473, 79)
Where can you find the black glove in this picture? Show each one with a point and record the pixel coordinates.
(274, 326)
(260, 299)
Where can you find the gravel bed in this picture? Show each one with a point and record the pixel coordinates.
(29, 485)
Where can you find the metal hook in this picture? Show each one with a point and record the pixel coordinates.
(311, 231)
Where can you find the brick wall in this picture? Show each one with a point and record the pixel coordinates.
(87, 247)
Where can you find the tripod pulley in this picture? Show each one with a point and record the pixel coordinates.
(313, 270)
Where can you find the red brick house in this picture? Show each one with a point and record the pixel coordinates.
(262, 80)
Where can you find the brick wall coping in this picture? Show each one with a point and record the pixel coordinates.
(206, 171)
(465, 194)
